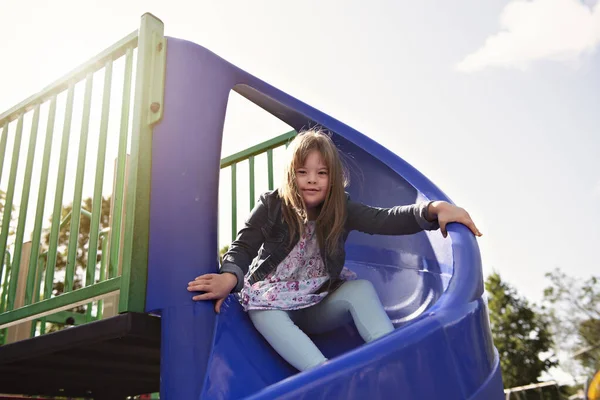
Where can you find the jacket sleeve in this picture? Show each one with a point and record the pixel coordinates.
(399, 220)
(245, 247)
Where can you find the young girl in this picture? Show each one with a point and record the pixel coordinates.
(287, 262)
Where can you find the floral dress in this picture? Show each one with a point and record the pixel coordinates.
(295, 282)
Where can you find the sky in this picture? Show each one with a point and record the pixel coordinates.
(495, 101)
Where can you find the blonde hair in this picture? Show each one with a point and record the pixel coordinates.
(332, 215)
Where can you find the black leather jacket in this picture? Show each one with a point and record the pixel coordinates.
(266, 234)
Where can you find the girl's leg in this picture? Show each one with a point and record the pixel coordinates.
(286, 338)
(354, 298)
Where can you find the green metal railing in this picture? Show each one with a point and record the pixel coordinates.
(64, 316)
(123, 261)
(130, 205)
(4, 288)
(250, 154)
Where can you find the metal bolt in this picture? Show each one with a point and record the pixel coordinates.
(154, 107)
(159, 47)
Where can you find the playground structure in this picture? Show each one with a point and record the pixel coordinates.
(140, 331)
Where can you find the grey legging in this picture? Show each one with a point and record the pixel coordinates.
(285, 330)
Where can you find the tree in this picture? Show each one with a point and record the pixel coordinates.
(520, 332)
(12, 223)
(82, 247)
(62, 247)
(10, 239)
(575, 313)
(222, 252)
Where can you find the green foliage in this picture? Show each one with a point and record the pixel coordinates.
(10, 239)
(63, 241)
(575, 312)
(222, 252)
(82, 248)
(82, 240)
(552, 392)
(521, 334)
(589, 338)
(13, 218)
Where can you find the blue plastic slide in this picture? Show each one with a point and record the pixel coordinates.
(431, 287)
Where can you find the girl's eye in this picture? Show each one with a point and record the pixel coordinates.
(301, 172)
(322, 172)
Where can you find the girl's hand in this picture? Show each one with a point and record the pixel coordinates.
(447, 213)
(216, 287)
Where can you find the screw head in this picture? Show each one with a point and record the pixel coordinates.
(159, 47)
(155, 107)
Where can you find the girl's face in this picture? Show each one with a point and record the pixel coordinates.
(312, 180)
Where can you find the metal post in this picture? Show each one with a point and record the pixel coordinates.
(21, 331)
(147, 110)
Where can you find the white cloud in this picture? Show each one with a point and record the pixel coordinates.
(560, 30)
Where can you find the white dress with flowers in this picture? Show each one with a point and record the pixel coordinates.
(295, 282)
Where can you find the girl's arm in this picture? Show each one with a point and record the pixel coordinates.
(404, 220)
(446, 213)
(235, 262)
(245, 247)
(399, 220)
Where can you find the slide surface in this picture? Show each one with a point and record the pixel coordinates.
(431, 287)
